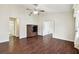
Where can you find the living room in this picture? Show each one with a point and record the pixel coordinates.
(55, 19)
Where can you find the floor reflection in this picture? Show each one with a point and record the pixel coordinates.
(47, 39)
(14, 44)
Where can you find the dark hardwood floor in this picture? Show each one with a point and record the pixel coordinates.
(38, 45)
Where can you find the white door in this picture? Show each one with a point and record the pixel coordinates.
(46, 27)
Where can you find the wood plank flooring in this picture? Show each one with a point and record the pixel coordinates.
(38, 45)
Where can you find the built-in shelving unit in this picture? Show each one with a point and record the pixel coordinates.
(32, 30)
(76, 18)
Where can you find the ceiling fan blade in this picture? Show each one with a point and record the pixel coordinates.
(28, 9)
(42, 10)
(30, 13)
(35, 4)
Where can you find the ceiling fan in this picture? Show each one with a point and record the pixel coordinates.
(35, 10)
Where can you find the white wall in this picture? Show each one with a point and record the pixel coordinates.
(62, 25)
(6, 11)
(16, 11)
(45, 18)
(25, 20)
(3, 24)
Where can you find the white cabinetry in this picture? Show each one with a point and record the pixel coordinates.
(76, 17)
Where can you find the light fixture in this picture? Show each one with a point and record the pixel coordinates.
(35, 12)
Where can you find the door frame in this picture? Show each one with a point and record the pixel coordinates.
(16, 26)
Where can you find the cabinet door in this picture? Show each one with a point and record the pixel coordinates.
(76, 41)
(30, 32)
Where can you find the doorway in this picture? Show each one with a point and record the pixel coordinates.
(12, 27)
(47, 27)
(13, 31)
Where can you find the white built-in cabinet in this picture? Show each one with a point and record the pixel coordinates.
(76, 18)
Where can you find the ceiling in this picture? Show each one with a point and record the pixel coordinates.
(52, 7)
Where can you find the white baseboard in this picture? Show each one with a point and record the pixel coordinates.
(4, 41)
